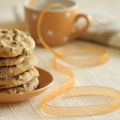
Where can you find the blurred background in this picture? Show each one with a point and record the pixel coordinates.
(12, 10)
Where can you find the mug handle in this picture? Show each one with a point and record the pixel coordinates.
(86, 26)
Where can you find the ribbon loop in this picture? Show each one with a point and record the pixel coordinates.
(82, 55)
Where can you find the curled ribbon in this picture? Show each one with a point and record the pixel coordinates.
(66, 56)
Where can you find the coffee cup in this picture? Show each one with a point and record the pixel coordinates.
(58, 24)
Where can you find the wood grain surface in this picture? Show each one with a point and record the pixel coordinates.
(105, 75)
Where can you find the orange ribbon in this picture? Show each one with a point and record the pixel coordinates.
(63, 59)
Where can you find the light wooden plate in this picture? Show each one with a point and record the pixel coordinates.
(45, 81)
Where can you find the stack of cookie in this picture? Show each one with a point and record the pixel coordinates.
(17, 62)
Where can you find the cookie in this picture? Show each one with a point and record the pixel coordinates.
(14, 70)
(30, 86)
(20, 79)
(14, 43)
(13, 61)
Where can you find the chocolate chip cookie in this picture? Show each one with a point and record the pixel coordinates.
(20, 79)
(14, 43)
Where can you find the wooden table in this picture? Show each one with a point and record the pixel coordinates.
(106, 75)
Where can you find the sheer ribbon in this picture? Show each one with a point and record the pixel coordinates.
(66, 57)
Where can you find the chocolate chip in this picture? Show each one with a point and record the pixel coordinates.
(11, 49)
(23, 51)
(8, 38)
(5, 32)
(1, 46)
(21, 45)
(14, 43)
(17, 77)
(14, 31)
(14, 37)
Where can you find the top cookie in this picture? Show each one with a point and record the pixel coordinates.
(14, 42)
